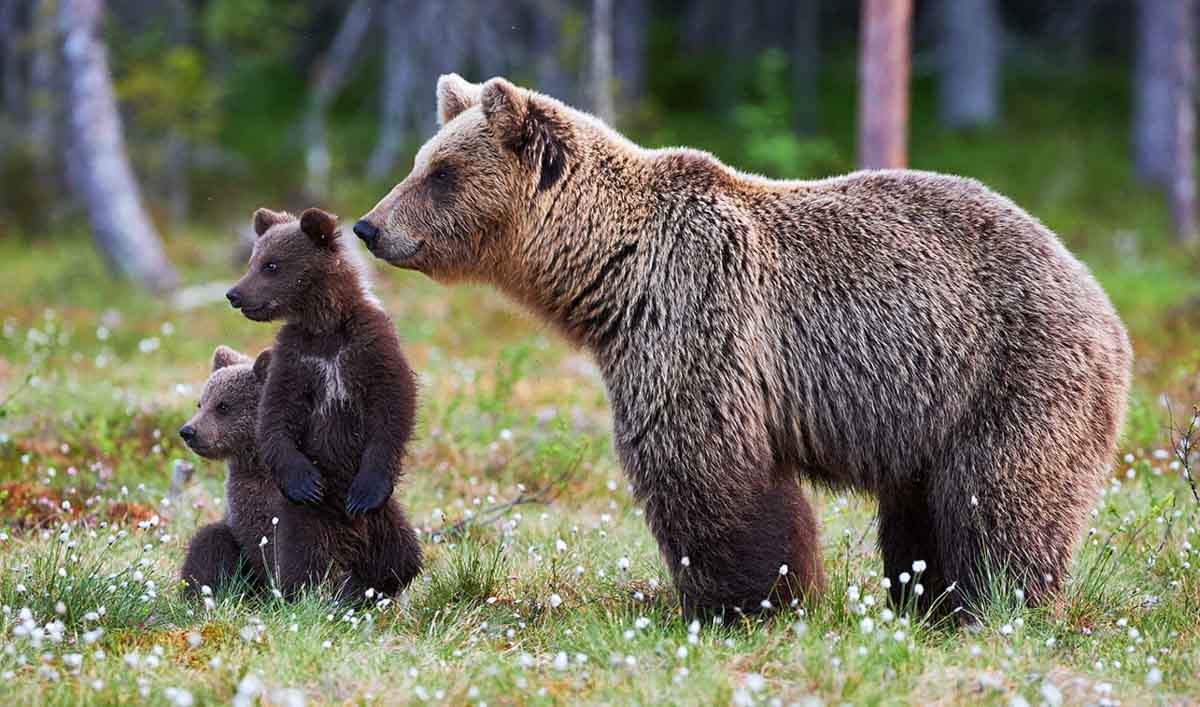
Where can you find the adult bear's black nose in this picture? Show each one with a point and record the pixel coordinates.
(234, 297)
(188, 433)
(367, 231)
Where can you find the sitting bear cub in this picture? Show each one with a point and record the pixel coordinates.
(339, 400)
(300, 550)
(223, 428)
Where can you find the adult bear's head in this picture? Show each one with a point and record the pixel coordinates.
(473, 187)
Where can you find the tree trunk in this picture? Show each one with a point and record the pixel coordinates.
(12, 39)
(100, 168)
(629, 48)
(1152, 110)
(883, 83)
(327, 81)
(548, 49)
(1183, 112)
(969, 57)
(602, 61)
(806, 58)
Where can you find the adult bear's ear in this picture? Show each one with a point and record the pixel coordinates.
(529, 126)
(320, 226)
(225, 356)
(265, 218)
(454, 95)
(262, 364)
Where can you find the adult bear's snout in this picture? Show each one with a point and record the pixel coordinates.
(367, 231)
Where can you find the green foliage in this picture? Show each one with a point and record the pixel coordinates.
(172, 91)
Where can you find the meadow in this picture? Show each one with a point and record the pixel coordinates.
(542, 583)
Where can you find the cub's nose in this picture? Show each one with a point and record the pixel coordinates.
(234, 297)
(188, 433)
(367, 231)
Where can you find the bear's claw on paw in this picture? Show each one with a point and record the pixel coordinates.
(302, 484)
(367, 492)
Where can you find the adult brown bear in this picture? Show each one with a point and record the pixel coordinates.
(911, 335)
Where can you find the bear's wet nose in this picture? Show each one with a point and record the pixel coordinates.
(188, 433)
(367, 231)
(234, 297)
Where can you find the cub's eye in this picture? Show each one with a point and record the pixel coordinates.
(270, 268)
(441, 175)
(222, 408)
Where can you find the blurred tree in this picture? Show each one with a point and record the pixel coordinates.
(602, 61)
(98, 164)
(968, 54)
(1182, 39)
(629, 50)
(806, 56)
(883, 70)
(327, 80)
(1152, 80)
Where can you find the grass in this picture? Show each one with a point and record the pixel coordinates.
(565, 599)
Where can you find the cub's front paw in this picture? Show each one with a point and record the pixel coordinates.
(301, 482)
(367, 492)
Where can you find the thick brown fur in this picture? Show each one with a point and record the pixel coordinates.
(911, 335)
(340, 398)
(223, 428)
(305, 547)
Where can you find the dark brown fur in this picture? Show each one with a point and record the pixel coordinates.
(911, 335)
(223, 428)
(339, 402)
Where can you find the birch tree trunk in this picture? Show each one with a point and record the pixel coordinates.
(602, 61)
(969, 58)
(883, 73)
(1183, 112)
(328, 78)
(99, 165)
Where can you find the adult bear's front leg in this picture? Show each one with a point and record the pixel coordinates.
(732, 553)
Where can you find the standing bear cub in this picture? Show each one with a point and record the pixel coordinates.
(338, 404)
(911, 335)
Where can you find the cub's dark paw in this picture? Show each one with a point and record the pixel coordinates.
(367, 492)
(301, 482)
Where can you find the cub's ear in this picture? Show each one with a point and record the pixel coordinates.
(225, 356)
(262, 364)
(320, 226)
(529, 126)
(454, 95)
(265, 218)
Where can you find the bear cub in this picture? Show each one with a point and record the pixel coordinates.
(223, 429)
(338, 404)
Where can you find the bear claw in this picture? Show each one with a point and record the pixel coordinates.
(301, 483)
(367, 492)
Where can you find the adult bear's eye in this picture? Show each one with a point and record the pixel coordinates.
(441, 175)
(270, 268)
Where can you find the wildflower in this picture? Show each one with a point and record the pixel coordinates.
(1154, 677)
(681, 652)
(642, 622)
(555, 601)
(904, 577)
(885, 583)
(1006, 629)
(263, 541)
(765, 603)
(685, 561)
(918, 566)
(560, 661)
(918, 589)
(866, 625)
(623, 564)
(783, 570)
(525, 661)
(560, 546)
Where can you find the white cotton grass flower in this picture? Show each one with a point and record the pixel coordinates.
(623, 564)
(685, 561)
(918, 589)
(918, 566)
(783, 570)
(555, 601)
(904, 577)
